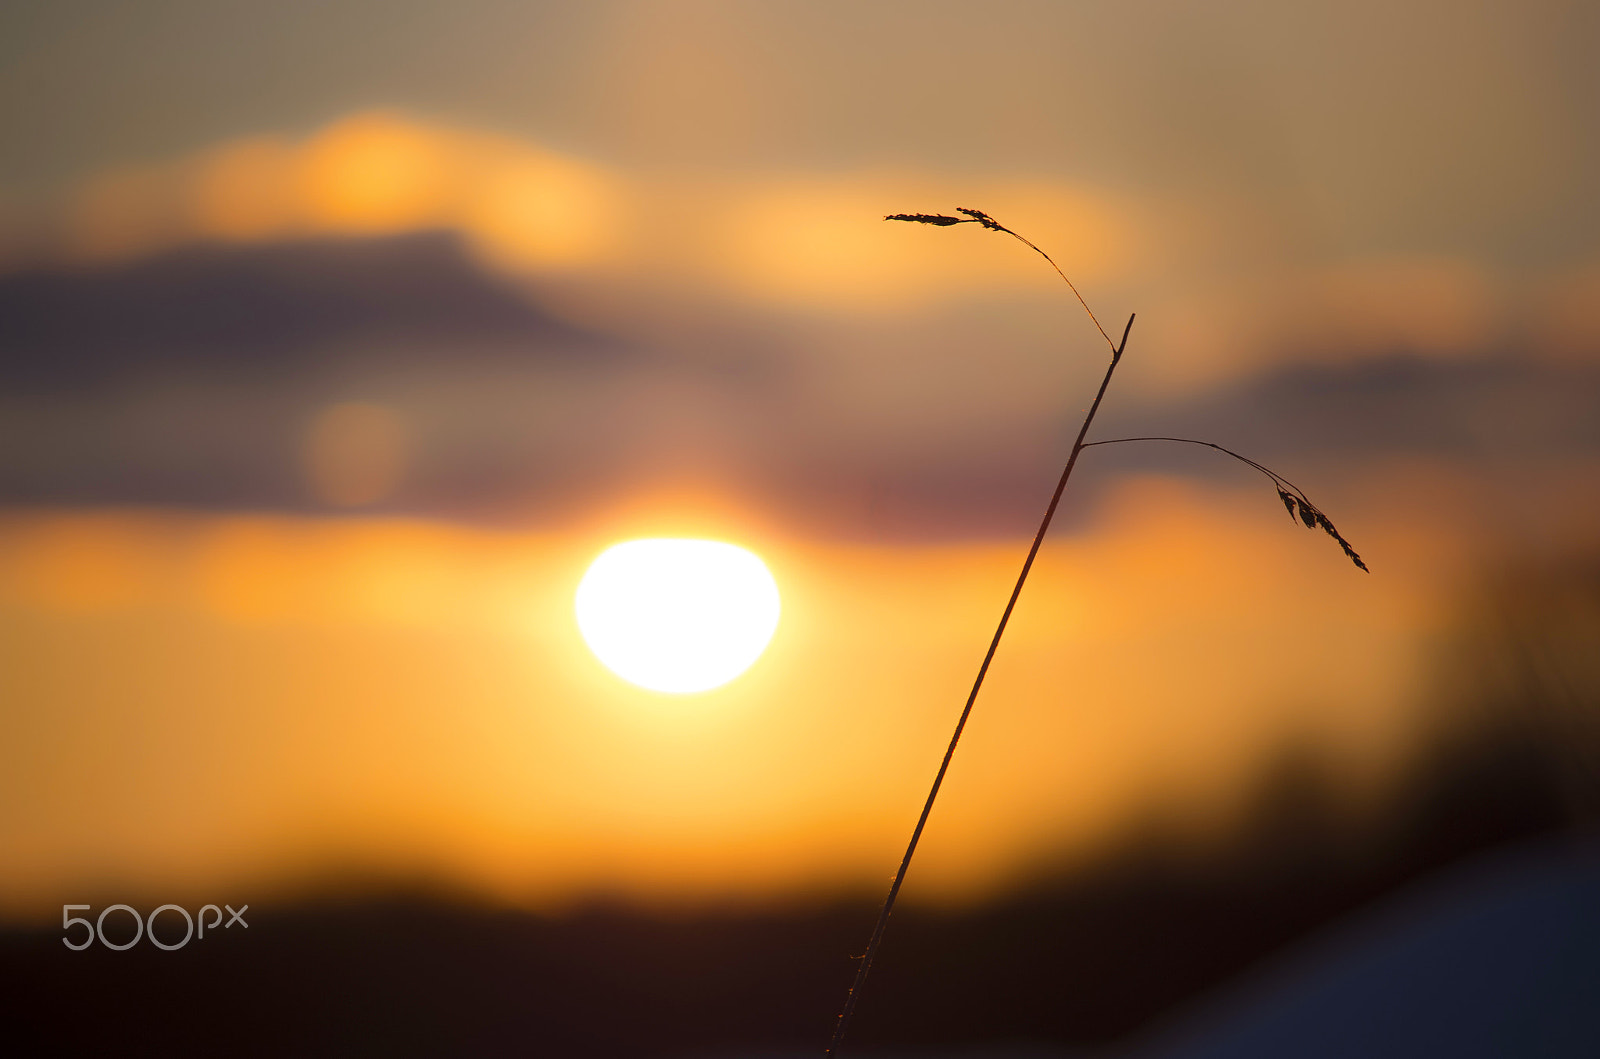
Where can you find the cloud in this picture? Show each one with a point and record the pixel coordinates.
(802, 261)
(371, 173)
(1566, 314)
(526, 210)
(355, 453)
(1358, 309)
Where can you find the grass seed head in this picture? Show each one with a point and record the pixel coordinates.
(1314, 519)
(941, 219)
(1327, 527)
(982, 218)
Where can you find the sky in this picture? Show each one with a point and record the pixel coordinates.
(337, 338)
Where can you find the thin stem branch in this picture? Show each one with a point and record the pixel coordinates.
(938, 780)
(1294, 498)
(1028, 243)
(1277, 479)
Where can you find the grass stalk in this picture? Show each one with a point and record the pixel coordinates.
(1293, 498)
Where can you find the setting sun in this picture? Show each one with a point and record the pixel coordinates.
(677, 616)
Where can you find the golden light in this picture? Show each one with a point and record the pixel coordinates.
(676, 615)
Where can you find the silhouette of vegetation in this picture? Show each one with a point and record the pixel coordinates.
(1293, 498)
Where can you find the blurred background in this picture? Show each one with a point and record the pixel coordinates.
(337, 338)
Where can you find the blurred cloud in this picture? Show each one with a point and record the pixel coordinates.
(369, 174)
(355, 453)
(1224, 289)
(1568, 320)
(817, 242)
(1348, 312)
(822, 242)
(193, 377)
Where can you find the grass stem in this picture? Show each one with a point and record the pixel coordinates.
(1294, 500)
(994, 644)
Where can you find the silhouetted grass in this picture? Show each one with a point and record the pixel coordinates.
(1294, 499)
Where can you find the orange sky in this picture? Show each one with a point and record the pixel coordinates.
(253, 702)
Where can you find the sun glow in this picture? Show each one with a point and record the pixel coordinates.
(677, 616)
